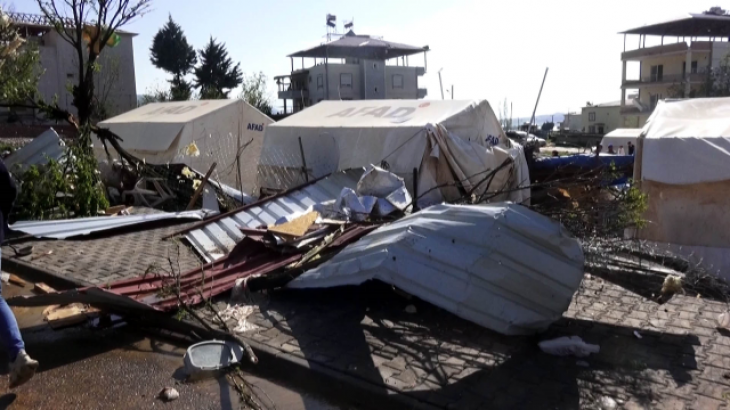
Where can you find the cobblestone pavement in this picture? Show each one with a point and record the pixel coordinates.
(102, 258)
(653, 356)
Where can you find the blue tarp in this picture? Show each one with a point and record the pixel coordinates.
(581, 161)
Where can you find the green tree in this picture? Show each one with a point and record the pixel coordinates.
(18, 65)
(171, 52)
(255, 92)
(216, 75)
(89, 26)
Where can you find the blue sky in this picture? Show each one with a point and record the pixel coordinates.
(487, 49)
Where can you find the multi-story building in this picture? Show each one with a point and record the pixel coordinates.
(116, 87)
(679, 67)
(354, 67)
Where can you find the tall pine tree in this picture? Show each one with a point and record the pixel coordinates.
(171, 52)
(216, 75)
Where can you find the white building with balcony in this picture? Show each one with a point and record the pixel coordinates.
(115, 83)
(354, 67)
(679, 67)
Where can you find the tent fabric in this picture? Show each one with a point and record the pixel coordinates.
(621, 136)
(440, 139)
(160, 133)
(687, 142)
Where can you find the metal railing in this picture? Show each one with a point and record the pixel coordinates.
(699, 75)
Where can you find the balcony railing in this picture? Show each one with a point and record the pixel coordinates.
(695, 77)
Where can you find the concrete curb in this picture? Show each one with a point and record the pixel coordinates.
(308, 375)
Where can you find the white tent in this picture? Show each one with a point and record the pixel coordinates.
(621, 137)
(683, 163)
(161, 133)
(445, 141)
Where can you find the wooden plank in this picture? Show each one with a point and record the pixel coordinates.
(17, 281)
(69, 315)
(113, 210)
(42, 288)
(296, 227)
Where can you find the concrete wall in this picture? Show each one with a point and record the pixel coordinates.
(610, 117)
(116, 78)
(410, 82)
(377, 75)
(373, 79)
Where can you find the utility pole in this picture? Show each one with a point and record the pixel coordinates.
(452, 91)
(441, 84)
(538, 101)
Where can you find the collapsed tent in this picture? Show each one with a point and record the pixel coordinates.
(683, 163)
(196, 133)
(502, 266)
(452, 145)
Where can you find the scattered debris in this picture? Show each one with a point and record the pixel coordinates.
(637, 334)
(69, 315)
(240, 314)
(296, 227)
(672, 284)
(608, 403)
(411, 309)
(42, 288)
(47, 146)
(582, 363)
(207, 357)
(723, 320)
(568, 346)
(168, 394)
(16, 280)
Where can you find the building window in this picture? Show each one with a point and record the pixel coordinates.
(320, 81)
(592, 129)
(657, 72)
(397, 81)
(591, 116)
(345, 80)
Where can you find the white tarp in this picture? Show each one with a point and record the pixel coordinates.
(620, 137)
(441, 139)
(501, 266)
(160, 133)
(687, 142)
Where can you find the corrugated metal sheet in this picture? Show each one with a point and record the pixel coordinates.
(47, 145)
(501, 266)
(67, 228)
(216, 238)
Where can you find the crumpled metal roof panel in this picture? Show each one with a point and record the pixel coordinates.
(501, 266)
(216, 238)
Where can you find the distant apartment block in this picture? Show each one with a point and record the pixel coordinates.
(679, 67)
(115, 82)
(353, 67)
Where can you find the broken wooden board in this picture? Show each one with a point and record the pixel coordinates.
(68, 315)
(296, 227)
(42, 288)
(113, 210)
(17, 281)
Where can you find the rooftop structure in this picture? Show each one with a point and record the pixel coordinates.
(689, 48)
(351, 67)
